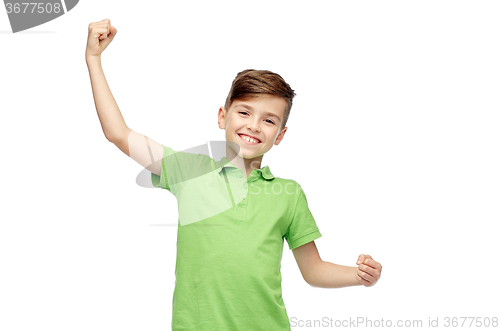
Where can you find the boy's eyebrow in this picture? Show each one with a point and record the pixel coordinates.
(251, 108)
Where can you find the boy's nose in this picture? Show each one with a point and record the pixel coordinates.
(254, 126)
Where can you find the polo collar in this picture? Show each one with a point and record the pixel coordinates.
(225, 163)
(266, 172)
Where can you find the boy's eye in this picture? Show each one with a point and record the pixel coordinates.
(244, 112)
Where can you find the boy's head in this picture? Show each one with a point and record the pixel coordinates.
(255, 96)
(252, 83)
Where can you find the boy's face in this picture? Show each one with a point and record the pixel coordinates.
(252, 118)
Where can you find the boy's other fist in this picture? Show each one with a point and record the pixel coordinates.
(100, 35)
(369, 270)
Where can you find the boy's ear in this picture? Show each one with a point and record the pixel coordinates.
(222, 118)
(280, 136)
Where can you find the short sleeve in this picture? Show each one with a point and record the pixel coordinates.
(302, 228)
(161, 181)
(176, 169)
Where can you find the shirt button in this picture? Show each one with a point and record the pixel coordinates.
(243, 197)
(245, 185)
(240, 174)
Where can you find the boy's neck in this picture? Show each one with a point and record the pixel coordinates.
(246, 165)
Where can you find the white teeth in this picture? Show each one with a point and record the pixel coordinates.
(249, 139)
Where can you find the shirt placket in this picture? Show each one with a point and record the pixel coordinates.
(238, 189)
(241, 192)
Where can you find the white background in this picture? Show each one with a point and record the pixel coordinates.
(394, 136)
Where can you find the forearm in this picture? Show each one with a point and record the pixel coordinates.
(329, 275)
(109, 114)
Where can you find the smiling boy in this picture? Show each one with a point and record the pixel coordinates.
(254, 123)
(234, 214)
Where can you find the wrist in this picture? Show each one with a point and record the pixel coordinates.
(92, 58)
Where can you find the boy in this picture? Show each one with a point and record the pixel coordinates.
(233, 214)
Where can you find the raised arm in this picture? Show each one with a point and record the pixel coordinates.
(140, 148)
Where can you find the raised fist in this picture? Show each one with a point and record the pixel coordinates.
(101, 34)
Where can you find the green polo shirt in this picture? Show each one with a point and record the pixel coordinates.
(230, 236)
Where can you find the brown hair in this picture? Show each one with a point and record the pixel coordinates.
(250, 83)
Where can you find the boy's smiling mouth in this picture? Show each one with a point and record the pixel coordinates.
(249, 139)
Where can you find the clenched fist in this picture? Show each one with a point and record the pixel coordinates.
(101, 34)
(369, 270)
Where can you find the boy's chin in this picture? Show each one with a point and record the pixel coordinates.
(245, 154)
(249, 155)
